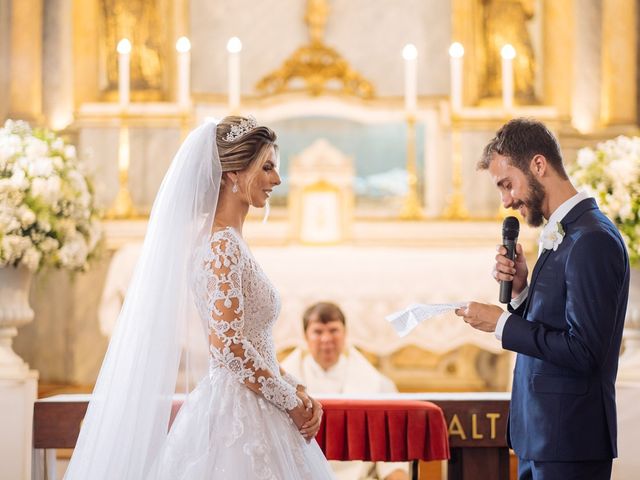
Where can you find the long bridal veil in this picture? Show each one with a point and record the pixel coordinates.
(127, 419)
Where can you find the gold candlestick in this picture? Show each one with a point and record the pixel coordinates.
(411, 208)
(455, 209)
(123, 205)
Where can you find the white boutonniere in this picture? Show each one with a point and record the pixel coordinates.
(551, 237)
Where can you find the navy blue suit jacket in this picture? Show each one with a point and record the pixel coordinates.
(567, 336)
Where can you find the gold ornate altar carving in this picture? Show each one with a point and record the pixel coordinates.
(144, 23)
(315, 67)
(321, 197)
(507, 21)
(467, 368)
(414, 369)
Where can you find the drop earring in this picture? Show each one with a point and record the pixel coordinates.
(234, 189)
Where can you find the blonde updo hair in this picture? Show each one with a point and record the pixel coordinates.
(242, 152)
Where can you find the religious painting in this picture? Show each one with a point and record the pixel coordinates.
(146, 24)
(511, 22)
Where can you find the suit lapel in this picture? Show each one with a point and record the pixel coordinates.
(534, 277)
(572, 216)
(539, 264)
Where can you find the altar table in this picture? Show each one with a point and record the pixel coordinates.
(393, 427)
(476, 424)
(382, 430)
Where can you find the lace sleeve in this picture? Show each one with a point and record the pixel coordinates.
(228, 344)
(291, 379)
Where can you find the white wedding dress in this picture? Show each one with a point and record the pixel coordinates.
(234, 425)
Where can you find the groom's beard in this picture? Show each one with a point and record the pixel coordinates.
(533, 202)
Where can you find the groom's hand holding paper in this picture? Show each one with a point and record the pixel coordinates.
(480, 316)
(406, 320)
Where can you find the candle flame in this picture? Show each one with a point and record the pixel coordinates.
(183, 45)
(508, 52)
(234, 45)
(409, 52)
(456, 50)
(124, 46)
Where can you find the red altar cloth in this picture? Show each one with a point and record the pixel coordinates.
(379, 430)
(383, 430)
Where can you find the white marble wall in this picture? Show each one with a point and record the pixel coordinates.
(587, 75)
(64, 342)
(98, 147)
(369, 34)
(477, 187)
(481, 198)
(151, 151)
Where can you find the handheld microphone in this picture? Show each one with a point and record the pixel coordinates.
(510, 231)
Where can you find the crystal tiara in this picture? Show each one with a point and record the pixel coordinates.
(240, 129)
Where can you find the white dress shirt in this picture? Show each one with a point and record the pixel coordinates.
(556, 217)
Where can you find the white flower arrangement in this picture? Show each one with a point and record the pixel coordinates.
(47, 213)
(611, 174)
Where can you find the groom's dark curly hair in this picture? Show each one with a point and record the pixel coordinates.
(520, 140)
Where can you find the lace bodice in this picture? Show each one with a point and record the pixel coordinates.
(239, 306)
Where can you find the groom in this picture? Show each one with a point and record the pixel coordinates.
(566, 325)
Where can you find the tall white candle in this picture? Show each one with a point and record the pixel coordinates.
(124, 60)
(234, 46)
(508, 53)
(456, 53)
(183, 46)
(410, 55)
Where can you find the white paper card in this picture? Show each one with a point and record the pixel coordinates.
(406, 320)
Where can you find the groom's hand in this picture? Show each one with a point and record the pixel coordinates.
(480, 316)
(507, 270)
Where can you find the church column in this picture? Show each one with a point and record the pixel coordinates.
(25, 85)
(558, 49)
(85, 53)
(58, 64)
(587, 61)
(5, 55)
(464, 18)
(619, 66)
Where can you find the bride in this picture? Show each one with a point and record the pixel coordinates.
(246, 419)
